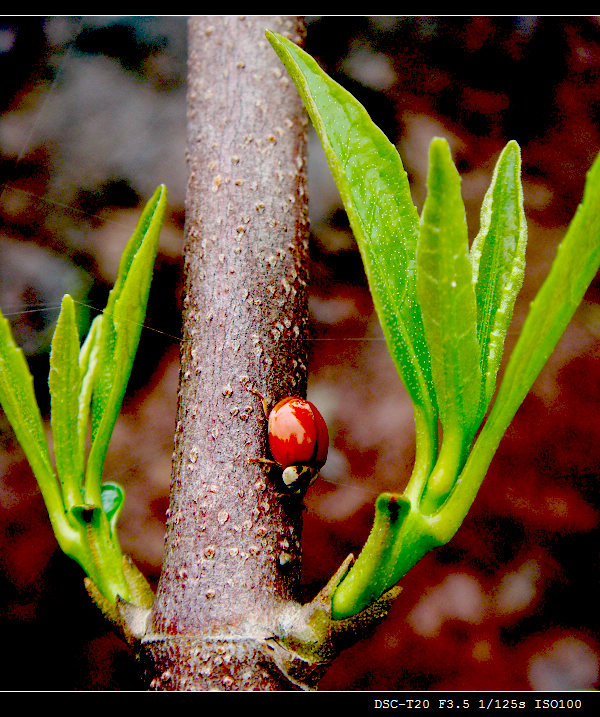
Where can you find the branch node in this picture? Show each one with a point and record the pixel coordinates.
(306, 639)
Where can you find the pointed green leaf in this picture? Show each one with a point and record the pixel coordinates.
(374, 188)
(64, 382)
(88, 361)
(18, 400)
(446, 295)
(498, 258)
(119, 335)
(575, 265)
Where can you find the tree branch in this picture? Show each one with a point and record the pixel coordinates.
(227, 614)
(232, 552)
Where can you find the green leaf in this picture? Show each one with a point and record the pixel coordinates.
(575, 265)
(88, 362)
(498, 258)
(64, 382)
(113, 497)
(446, 295)
(18, 400)
(119, 335)
(447, 298)
(374, 188)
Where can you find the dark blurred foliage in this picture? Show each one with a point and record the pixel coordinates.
(93, 118)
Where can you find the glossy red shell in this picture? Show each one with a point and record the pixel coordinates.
(297, 434)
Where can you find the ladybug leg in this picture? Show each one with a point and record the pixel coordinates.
(260, 460)
(265, 404)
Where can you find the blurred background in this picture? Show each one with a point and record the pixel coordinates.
(92, 118)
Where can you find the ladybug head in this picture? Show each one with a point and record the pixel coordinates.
(297, 479)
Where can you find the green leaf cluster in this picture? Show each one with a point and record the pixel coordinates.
(87, 384)
(444, 309)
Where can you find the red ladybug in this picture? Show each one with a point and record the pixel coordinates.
(298, 440)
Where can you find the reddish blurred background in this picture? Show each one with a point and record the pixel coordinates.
(93, 118)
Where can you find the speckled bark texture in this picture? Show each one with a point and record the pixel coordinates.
(232, 552)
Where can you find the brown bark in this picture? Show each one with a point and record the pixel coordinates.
(226, 615)
(232, 555)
